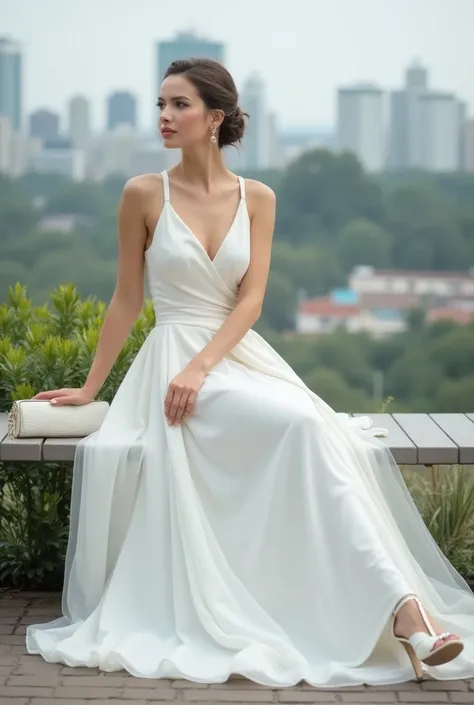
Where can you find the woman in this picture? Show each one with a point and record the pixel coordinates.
(224, 519)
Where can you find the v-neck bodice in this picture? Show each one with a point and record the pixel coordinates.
(185, 283)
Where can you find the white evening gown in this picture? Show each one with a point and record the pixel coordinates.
(266, 536)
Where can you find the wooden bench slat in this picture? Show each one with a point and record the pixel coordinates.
(18, 449)
(57, 450)
(461, 430)
(403, 449)
(434, 446)
(21, 449)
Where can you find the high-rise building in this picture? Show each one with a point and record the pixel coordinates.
(360, 124)
(121, 110)
(468, 160)
(44, 124)
(440, 115)
(416, 77)
(406, 120)
(11, 82)
(5, 144)
(79, 124)
(186, 45)
(253, 102)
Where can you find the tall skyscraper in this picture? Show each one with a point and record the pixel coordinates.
(45, 125)
(121, 110)
(440, 116)
(406, 120)
(468, 160)
(426, 126)
(360, 125)
(11, 82)
(186, 45)
(5, 144)
(253, 102)
(79, 124)
(416, 77)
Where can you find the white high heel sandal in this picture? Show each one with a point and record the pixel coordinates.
(419, 646)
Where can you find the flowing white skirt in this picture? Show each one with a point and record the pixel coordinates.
(266, 536)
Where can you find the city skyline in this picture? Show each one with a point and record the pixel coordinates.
(439, 36)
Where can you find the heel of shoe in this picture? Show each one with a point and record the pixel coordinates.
(415, 661)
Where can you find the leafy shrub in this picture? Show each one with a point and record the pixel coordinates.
(46, 347)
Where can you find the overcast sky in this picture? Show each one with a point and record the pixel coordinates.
(303, 49)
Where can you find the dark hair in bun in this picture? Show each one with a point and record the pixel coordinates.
(217, 90)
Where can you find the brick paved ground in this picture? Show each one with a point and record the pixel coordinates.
(28, 680)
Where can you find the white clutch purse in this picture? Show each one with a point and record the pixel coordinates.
(40, 419)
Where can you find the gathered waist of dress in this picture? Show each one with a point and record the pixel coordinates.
(200, 316)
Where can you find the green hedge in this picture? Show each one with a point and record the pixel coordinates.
(53, 346)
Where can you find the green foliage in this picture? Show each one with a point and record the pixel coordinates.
(52, 346)
(34, 518)
(42, 348)
(445, 499)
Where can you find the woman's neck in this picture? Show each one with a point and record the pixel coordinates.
(203, 166)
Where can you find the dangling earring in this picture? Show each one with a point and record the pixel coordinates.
(213, 136)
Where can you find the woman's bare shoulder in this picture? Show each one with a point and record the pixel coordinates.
(259, 194)
(259, 190)
(144, 184)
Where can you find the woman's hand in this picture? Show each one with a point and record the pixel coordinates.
(182, 393)
(66, 396)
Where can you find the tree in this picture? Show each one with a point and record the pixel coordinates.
(280, 303)
(425, 229)
(454, 396)
(363, 242)
(322, 192)
(331, 388)
(310, 268)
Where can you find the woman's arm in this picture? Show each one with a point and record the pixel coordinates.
(183, 389)
(126, 302)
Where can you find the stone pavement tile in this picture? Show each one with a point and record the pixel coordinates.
(423, 697)
(183, 685)
(79, 671)
(83, 701)
(65, 692)
(16, 701)
(305, 696)
(13, 640)
(388, 696)
(9, 619)
(151, 694)
(53, 701)
(136, 683)
(25, 668)
(228, 696)
(8, 691)
(461, 697)
(6, 629)
(234, 684)
(8, 660)
(41, 680)
(98, 681)
(445, 685)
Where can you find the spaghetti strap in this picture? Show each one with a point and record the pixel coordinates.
(166, 185)
(242, 187)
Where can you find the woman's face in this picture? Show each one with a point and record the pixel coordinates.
(184, 118)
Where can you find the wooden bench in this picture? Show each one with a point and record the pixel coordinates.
(414, 439)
